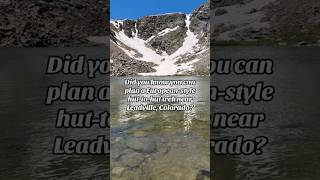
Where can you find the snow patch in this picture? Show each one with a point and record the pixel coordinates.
(167, 30)
(165, 63)
(139, 45)
(168, 66)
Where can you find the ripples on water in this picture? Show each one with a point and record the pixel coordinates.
(27, 126)
(181, 137)
(292, 123)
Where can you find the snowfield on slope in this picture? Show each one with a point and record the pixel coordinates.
(165, 63)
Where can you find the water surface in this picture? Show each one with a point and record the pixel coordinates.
(168, 145)
(292, 123)
(27, 126)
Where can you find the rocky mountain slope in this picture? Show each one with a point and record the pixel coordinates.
(45, 23)
(166, 44)
(266, 21)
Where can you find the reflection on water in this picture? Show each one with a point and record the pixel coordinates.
(160, 145)
(292, 123)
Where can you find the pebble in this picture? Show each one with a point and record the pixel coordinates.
(117, 171)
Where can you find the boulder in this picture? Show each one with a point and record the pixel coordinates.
(132, 160)
(141, 144)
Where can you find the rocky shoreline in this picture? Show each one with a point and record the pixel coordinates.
(133, 156)
(48, 23)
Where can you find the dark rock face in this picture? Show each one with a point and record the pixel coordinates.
(285, 21)
(129, 27)
(200, 24)
(200, 19)
(113, 36)
(251, 33)
(222, 3)
(150, 25)
(51, 23)
(295, 20)
(169, 42)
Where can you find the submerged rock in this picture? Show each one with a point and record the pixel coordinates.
(141, 144)
(132, 160)
(117, 171)
(140, 134)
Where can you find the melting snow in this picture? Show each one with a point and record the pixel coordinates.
(166, 31)
(166, 63)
